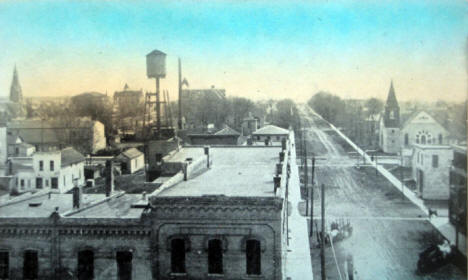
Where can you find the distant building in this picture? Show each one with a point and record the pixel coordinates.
(250, 124)
(131, 161)
(83, 134)
(389, 132)
(225, 136)
(55, 170)
(422, 128)
(457, 199)
(16, 94)
(194, 226)
(270, 133)
(430, 169)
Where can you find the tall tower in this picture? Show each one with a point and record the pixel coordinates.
(390, 124)
(16, 95)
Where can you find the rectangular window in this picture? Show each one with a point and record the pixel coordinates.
(41, 165)
(178, 255)
(30, 265)
(85, 265)
(124, 265)
(4, 265)
(435, 161)
(215, 256)
(253, 257)
(22, 183)
(54, 182)
(51, 165)
(38, 183)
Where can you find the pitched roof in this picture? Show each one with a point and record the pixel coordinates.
(71, 156)
(391, 99)
(132, 153)
(227, 131)
(271, 130)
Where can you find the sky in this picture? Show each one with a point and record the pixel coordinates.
(254, 49)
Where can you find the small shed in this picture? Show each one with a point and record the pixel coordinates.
(131, 161)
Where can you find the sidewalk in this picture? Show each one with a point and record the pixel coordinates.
(298, 260)
(442, 224)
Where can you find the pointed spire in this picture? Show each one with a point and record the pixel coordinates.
(126, 87)
(16, 95)
(391, 99)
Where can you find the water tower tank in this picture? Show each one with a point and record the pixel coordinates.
(156, 64)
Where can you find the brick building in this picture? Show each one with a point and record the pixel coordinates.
(221, 216)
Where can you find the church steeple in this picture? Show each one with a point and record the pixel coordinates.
(392, 109)
(16, 95)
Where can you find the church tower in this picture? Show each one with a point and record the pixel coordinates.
(390, 124)
(16, 95)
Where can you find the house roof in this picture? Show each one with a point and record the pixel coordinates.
(227, 131)
(71, 156)
(131, 153)
(271, 130)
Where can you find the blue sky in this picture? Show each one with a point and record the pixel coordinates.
(256, 49)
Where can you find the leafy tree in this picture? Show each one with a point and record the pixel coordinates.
(327, 105)
(285, 114)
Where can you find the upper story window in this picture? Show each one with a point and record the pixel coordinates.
(392, 115)
(41, 165)
(4, 265)
(435, 161)
(178, 249)
(215, 256)
(253, 257)
(30, 264)
(51, 165)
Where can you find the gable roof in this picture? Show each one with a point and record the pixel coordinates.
(271, 130)
(71, 156)
(227, 131)
(131, 153)
(418, 114)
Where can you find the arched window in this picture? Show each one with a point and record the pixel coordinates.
(406, 139)
(85, 265)
(124, 265)
(417, 139)
(423, 139)
(178, 248)
(440, 138)
(253, 257)
(215, 256)
(30, 264)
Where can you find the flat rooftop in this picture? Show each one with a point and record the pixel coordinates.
(185, 153)
(235, 171)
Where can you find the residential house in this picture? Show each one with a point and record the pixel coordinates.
(131, 161)
(271, 134)
(58, 171)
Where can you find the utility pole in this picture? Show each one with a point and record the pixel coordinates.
(179, 121)
(312, 198)
(322, 240)
(306, 183)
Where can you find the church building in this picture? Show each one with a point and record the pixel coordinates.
(389, 135)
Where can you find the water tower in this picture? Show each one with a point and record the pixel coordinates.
(156, 68)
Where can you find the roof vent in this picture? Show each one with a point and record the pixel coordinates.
(35, 204)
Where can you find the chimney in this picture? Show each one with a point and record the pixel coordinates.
(109, 177)
(279, 168)
(207, 153)
(143, 197)
(10, 167)
(281, 156)
(184, 169)
(77, 197)
(277, 182)
(283, 144)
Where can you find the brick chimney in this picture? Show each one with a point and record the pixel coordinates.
(279, 168)
(277, 182)
(77, 197)
(109, 177)
(207, 153)
(184, 169)
(281, 156)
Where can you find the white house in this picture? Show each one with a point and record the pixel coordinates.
(56, 170)
(430, 170)
(422, 128)
(131, 161)
(271, 133)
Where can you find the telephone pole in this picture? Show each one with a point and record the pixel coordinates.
(306, 179)
(179, 121)
(322, 240)
(312, 197)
